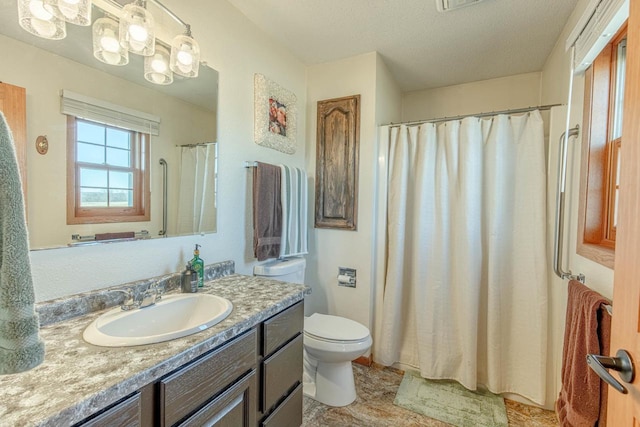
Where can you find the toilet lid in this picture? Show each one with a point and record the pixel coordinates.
(334, 328)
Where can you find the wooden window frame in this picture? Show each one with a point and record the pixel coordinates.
(596, 233)
(142, 195)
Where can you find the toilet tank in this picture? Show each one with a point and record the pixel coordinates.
(286, 270)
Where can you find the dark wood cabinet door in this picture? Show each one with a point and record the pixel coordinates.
(338, 137)
(236, 407)
(187, 389)
(125, 414)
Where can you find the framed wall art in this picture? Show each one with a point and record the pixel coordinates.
(275, 115)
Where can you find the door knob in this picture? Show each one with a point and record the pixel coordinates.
(621, 363)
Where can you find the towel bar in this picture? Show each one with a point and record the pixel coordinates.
(90, 239)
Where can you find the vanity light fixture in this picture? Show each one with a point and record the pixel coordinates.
(34, 18)
(156, 67)
(106, 42)
(185, 55)
(124, 29)
(137, 29)
(76, 12)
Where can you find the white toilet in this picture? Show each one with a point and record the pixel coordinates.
(330, 343)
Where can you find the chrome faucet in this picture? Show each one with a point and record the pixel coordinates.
(150, 296)
(129, 302)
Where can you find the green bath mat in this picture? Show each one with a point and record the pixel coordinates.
(450, 402)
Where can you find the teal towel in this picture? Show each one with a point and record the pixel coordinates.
(20, 345)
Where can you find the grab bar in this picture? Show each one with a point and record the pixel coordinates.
(165, 172)
(560, 196)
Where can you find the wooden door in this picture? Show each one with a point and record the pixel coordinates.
(13, 104)
(624, 409)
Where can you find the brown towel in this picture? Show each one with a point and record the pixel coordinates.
(267, 211)
(582, 400)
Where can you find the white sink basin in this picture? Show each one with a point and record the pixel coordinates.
(174, 316)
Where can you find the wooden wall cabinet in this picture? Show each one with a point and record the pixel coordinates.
(337, 150)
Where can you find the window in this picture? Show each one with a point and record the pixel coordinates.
(108, 178)
(602, 142)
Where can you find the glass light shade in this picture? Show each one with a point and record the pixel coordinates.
(106, 43)
(185, 56)
(156, 67)
(137, 30)
(34, 18)
(73, 11)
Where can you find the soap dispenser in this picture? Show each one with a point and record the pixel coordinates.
(198, 266)
(189, 280)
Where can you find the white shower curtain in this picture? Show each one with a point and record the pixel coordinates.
(465, 294)
(196, 208)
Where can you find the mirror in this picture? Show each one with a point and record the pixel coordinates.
(188, 123)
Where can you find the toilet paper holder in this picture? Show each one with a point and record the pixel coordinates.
(347, 277)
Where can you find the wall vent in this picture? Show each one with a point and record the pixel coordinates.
(447, 5)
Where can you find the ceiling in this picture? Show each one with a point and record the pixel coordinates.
(422, 47)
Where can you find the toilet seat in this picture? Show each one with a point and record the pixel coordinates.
(337, 329)
(330, 341)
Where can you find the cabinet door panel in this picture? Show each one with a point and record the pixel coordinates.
(234, 408)
(124, 414)
(184, 391)
(282, 327)
(289, 413)
(337, 141)
(282, 372)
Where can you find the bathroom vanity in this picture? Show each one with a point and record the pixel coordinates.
(244, 371)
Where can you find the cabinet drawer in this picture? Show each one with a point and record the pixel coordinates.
(236, 407)
(281, 372)
(282, 327)
(187, 389)
(125, 413)
(289, 413)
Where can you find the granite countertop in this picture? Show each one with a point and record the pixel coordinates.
(78, 379)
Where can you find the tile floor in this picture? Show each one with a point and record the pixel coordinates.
(377, 387)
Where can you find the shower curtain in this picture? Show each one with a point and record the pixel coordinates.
(465, 293)
(196, 208)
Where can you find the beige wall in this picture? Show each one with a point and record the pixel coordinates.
(181, 123)
(368, 76)
(522, 90)
(237, 49)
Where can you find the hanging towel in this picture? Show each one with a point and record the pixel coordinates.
(294, 212)
(587, 330)
(20, 345)
(267, 211)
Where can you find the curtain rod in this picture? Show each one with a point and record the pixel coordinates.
(492, 113)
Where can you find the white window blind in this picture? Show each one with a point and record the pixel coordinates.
(88, 108)
(598, 24)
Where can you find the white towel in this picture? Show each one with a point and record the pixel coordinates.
(20, 345)
(293, 197)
